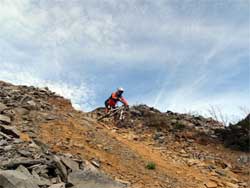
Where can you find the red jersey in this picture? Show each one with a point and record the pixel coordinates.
(114, 98)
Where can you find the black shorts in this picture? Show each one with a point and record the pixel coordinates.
(107, 104)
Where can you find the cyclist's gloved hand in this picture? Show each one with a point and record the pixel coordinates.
(127, 107)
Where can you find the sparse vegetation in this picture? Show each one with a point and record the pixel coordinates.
(151, 166)
(179, 126)
(216, 113)
(237, 136)
(155, 120)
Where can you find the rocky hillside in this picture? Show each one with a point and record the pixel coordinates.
(26, 161)
(45, 143)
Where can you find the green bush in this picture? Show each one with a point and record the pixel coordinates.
(151, 166)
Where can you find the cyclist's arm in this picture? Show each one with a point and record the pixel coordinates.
(124, 101)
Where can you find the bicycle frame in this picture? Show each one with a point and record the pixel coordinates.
(112, 112)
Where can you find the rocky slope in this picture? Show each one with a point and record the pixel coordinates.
(44, 142)
(27, 162)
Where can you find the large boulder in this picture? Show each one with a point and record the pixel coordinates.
(5, 119)
(69, 163)
(91, 179)
(15, 179)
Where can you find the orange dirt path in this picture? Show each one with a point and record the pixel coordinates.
(120, 157)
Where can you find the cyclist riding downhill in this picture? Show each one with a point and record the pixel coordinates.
(119, 113)
(115, 97)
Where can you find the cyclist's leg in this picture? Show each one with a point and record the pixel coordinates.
(108, 107)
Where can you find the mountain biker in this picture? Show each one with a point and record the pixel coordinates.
(114, 98)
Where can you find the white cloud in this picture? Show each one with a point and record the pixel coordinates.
(82, 96)
(93, 31)
(189, 100)
(42, 37)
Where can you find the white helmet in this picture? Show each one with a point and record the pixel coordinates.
(120, 89)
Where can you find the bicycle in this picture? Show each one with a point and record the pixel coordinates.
(118, 114)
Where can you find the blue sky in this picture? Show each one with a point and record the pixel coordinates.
(180, 55)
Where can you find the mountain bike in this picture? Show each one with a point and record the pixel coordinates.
(118, 113)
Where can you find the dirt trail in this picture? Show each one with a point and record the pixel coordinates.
(121, 157)
(116, 158)
(124, 157)
(173, 169)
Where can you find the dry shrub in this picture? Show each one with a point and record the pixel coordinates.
(153, 119)
(237, 136)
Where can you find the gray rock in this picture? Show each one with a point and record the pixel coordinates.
(158, 135)
(221, 172)
(244, 159)
(9, 113)
(135, 112)
(86, 165)
(3, 142)
(50, 117)
(31, 103)
(39, 143)
(5, 119)
(8, 148)
(17, 141)
(2, 107)
(5, 136)
(24, 170)
(25, 153)
(58, 185)
(74, 166)
(90, 179)
(96, 163)
(15, 179)
(61, 168)
(21, 111)
(10, 131)
(25, 99)
(22, 161)
(42, 170)
(40, 180)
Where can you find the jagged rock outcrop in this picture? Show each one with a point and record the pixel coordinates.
(25, 161)
(141, 117)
